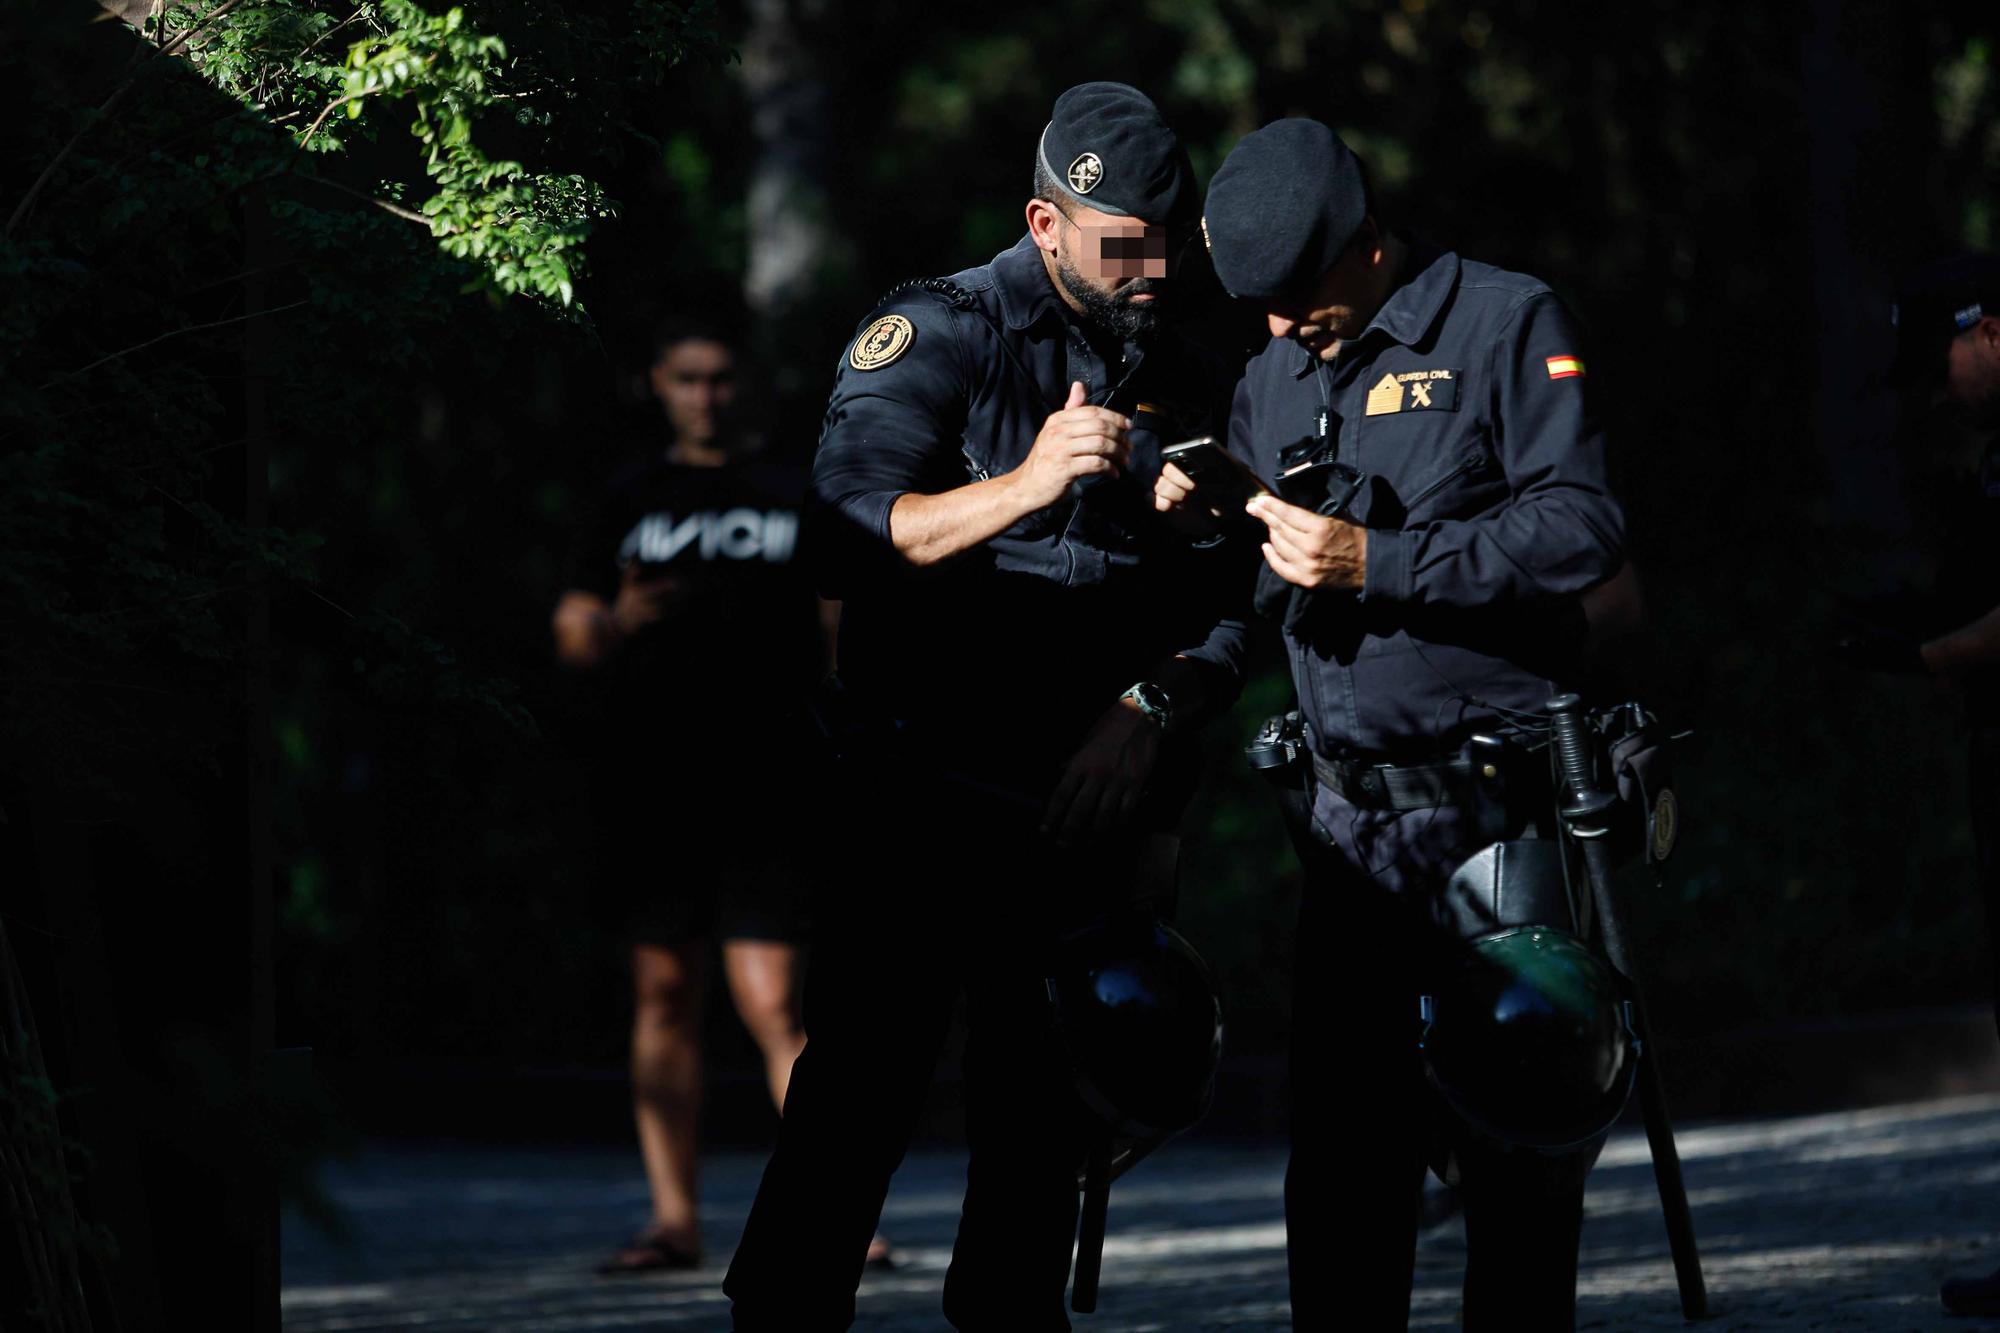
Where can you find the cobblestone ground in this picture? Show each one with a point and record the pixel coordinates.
(1839, 1221)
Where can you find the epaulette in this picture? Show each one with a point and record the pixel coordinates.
(943, 288)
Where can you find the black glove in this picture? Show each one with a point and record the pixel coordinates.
(1872, 648)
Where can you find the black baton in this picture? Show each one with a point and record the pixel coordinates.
(1090, 1229)
(1585, 811)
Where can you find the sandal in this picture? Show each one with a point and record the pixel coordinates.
(650, 1253)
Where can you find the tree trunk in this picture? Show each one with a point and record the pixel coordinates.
(792, 248)
(1864, 202)
(259, 1182)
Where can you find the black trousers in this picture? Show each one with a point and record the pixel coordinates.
(936, 901)
(1984, 763)
(1365, 1124)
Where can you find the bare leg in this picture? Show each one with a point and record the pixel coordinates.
(764, 982)
(667, 986)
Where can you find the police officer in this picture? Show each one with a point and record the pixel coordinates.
(1442, 601)
(1948, 352)
(1024, 642)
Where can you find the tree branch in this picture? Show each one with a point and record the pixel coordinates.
(104, 109)
(220, 11)
(320, 119)
(386, 205)
(28, 200)
(330, 32)
(170, 333)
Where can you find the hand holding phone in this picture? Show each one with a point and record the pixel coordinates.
(1222, 480)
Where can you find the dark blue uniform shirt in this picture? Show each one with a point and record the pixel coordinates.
(1467, 404)
(1966, 533)
(1014, 648)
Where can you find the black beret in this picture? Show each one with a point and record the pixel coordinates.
(1936, 304)
(1285, 203)
(1107, 148)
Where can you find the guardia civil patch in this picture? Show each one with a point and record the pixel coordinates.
(1565, 367)
(1414, 391)
(881, 343)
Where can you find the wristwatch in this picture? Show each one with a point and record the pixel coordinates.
(1153, 702)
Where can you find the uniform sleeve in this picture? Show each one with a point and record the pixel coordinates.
(1268, 594)
(1238, 438)
(1561, 532)
(889, 431)
(1228, 571)
(1223, 655)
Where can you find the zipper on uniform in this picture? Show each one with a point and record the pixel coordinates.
(1473, 460)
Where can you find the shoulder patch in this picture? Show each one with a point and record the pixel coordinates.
(882, 343)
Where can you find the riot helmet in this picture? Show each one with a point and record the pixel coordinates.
(1140, 1023)
(1136, 1012)
(1528, 1037)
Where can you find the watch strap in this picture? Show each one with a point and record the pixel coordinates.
(1152, 701)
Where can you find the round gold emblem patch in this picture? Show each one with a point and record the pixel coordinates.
(881, 343)
(1666, 824)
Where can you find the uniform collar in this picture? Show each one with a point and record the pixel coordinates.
(1021, 279)
(1413, 307)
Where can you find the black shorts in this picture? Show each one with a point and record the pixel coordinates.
(677, 864)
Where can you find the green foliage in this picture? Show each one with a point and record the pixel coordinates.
(241, 144)
(520, 230)
(204, 293)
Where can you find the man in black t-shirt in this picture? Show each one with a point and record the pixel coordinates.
(687, 608)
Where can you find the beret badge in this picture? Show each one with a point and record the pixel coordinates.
(1085, 172)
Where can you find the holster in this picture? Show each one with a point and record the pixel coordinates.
(1638, 754)
(1280, 755)
(1519, 882)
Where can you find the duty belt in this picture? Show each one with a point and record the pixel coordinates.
(1397, 786)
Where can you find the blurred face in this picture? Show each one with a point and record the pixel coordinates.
(1111, 269)
(1339, 304)
(1972, 371)
(695, 380)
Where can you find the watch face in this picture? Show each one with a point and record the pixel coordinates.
(1152, 696)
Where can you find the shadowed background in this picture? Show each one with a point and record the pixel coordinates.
(287, 491)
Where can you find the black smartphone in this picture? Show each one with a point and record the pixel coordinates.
(1221, 476)
(1311, 475)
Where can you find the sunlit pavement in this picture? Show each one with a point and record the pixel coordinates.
(1841, 1221)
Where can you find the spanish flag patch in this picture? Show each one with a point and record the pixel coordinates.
(1564, 367)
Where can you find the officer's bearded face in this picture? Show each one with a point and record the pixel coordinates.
(1114, 269)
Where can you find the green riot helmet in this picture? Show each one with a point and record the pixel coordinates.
(1529, 1038)
(1140, 1023)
